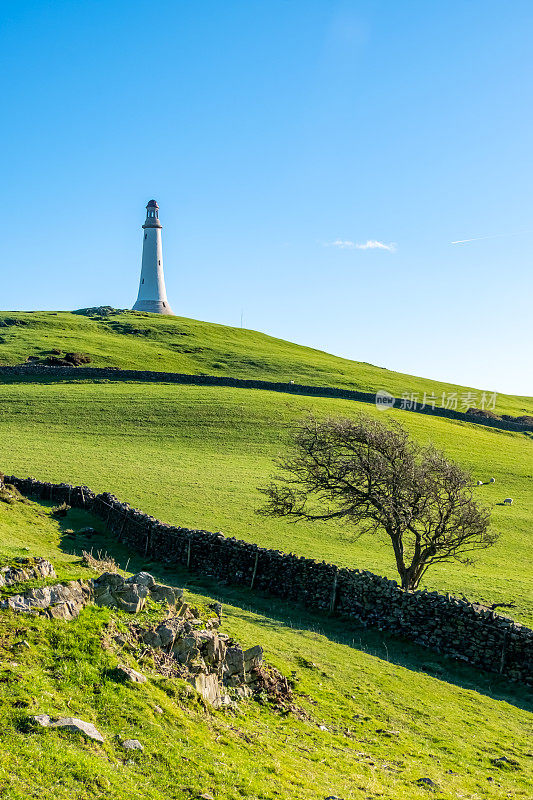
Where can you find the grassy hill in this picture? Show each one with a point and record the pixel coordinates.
(390, 713)
(195, 455)
(393, 713)
(133, 340)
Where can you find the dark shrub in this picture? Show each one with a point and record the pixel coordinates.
(61, 510)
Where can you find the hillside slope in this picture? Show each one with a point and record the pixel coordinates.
(132, 340)
(194, 456)
(378, 718)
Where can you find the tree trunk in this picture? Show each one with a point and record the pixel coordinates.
(403, 571)
(411, 576)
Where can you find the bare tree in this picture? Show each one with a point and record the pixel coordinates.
(376, 478)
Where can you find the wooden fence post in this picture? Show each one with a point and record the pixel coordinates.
(333, 597)
(502, 659)
(255, 570)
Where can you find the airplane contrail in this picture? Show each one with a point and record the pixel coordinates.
(493, 236)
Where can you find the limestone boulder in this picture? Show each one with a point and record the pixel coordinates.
(26, 569)
(185, 649)
(42, 719)
(78, 726)
(208, 686)
(132, 744)
(131, 597)
(253, 658)
(215, 651)
(234, 661)
(130, 594)
(165, 594)
(60, 601)
(142, 579)
(70, 724)
(129, 675)
(152, 639)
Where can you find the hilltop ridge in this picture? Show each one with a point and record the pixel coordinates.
(135, 340)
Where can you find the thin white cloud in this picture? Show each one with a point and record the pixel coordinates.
(481, 238)
(373, 244)
(492, 236)
(343, 244)
(370, 244)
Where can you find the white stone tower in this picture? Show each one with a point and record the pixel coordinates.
(152, 293)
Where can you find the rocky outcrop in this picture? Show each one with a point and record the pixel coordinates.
(211, 661)
(130, 594)
(66, 600)
(26, 569)
(61, 601)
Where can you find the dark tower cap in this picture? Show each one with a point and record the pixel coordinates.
(152, 204)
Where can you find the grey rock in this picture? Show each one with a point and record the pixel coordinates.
(185, 648)
(217, 608)
(70, 724)
(105, 599)
(165, 594)
(110, 579)
(131, 598)
(152, 639)
(167, 632)
(65, 611)
(58, 601)
(24, 569)
(209, 687)
(234, 661)
(42, 719)
(132, 744)
(232, 680)
(253, 657)
(129, 674)
(78, 726)
(215, 650)
(142, 579)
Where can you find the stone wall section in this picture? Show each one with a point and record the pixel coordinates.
(447, 625)
(29, 373)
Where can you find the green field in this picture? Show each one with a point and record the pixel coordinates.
(394, 713)
(133, 340)
(195, 455)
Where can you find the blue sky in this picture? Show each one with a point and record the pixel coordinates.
(277, 136)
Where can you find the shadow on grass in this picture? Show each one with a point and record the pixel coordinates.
(274, 613)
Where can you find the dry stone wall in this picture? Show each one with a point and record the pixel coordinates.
(29, 372)
(447, 625)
